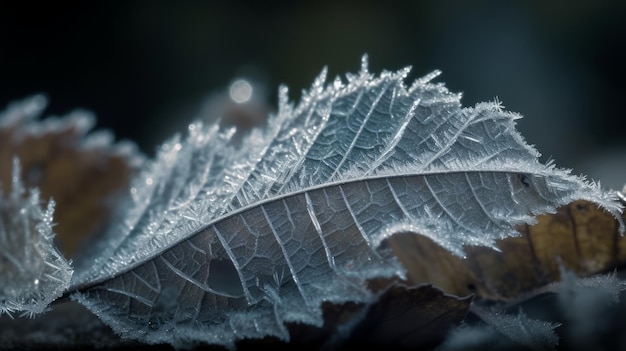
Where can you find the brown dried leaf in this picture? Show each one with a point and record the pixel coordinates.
(83, 172)
(584, 238)
(403, 316)
(416, 317)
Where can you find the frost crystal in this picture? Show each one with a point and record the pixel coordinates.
(32, 271)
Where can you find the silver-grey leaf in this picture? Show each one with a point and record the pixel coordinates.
(33, 273)
(226, 242)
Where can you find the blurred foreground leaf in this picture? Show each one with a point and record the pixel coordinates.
(83, 171)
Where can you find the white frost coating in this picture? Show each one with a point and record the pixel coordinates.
(225, 242)
(33, 273)
(519, 332)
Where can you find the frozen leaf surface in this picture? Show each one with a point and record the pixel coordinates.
(32, 271)
(225, 242)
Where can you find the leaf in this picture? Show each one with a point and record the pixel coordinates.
(579, 237)
(588, 311)
(401, 316)
(225, 242)
(534, 334)
(411, 317)
(83, 171)
(503, 332)
(33, 272)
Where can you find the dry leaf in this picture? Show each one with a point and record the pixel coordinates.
(584, 238)
(402, 316)
(415, 317)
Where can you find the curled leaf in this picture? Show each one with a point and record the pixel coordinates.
(401, 316)
(411, 317)
(501, 331)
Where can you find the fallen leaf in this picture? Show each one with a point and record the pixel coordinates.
(83, 171)
(411, 316)
(580, 236)
(402, 316)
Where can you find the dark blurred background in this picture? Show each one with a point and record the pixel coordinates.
(147, 68)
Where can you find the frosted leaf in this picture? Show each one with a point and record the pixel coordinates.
(226, 242)
(591, 309)
(32, 271)
(503, 332)
(83, 170)
(532, 333)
